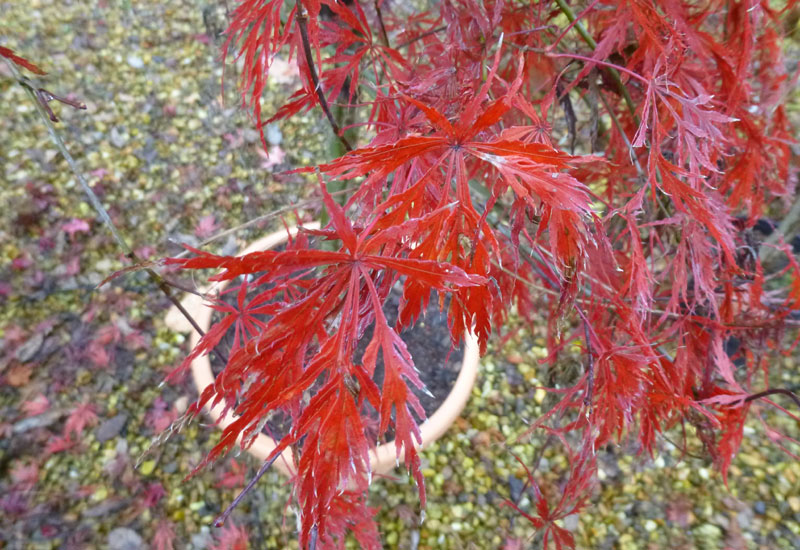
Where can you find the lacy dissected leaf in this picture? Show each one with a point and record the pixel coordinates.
(335, 453)
(573, 498)
(257, 33)
(349, 512)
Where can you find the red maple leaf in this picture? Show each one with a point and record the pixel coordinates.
(79, 418)
(231, 537)
(164, 536)
(36, 406)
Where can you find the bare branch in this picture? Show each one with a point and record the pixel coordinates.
(40, 97)
(302, 23)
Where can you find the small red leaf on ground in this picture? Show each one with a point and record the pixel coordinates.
(164, 536)
(75, 225)
(58, 444)
(81, 416)
(231, 537)
(25, 476)
(36, 406)
(206, 226)
(19, 375)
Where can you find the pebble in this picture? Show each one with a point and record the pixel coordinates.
(39, 421)
(118, 138)
(201, 540)
(147, 467)
(28, 350)
(274, 134)
(135, 61)
(110, 428)
(106, 507)
(123, 538)
(515, 486)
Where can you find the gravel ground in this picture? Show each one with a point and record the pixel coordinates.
(173, 157)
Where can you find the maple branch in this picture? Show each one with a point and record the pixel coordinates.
(621, 130)
(45, 97)
(312, 545)
(682, 449)
(37, 97)
(769, 253)
(220, 521)
(793, 396)
(566, 10)
(302, 23)
(264, 217)
(421, 36)
(384, 36)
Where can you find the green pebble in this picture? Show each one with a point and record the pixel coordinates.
(147, 467)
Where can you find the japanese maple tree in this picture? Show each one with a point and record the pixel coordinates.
(598, 165)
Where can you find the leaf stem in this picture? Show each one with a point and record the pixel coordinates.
(421, 36)
(267, 216)
(587, 400)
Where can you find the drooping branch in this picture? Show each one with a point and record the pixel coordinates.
(39, 98)
(220, 521)
(774, 391)
(384, 35)
(590, 41)
(302, 23)
(421, 36)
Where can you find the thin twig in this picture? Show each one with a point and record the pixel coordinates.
(35, 94)
(767, 252)
(384, 36)
(587, 400)
(45, 97)
(421, 36)
(566, 10)
(220, 521)
(264, 217)
(302, 23)
(773, 391)
(312, 545)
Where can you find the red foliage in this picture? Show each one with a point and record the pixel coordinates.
(36, 406)
(81, 416)
(233, 477)
(164, 536)
(231, 537)
(571, 500)
(640, 241)
(152, 495)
